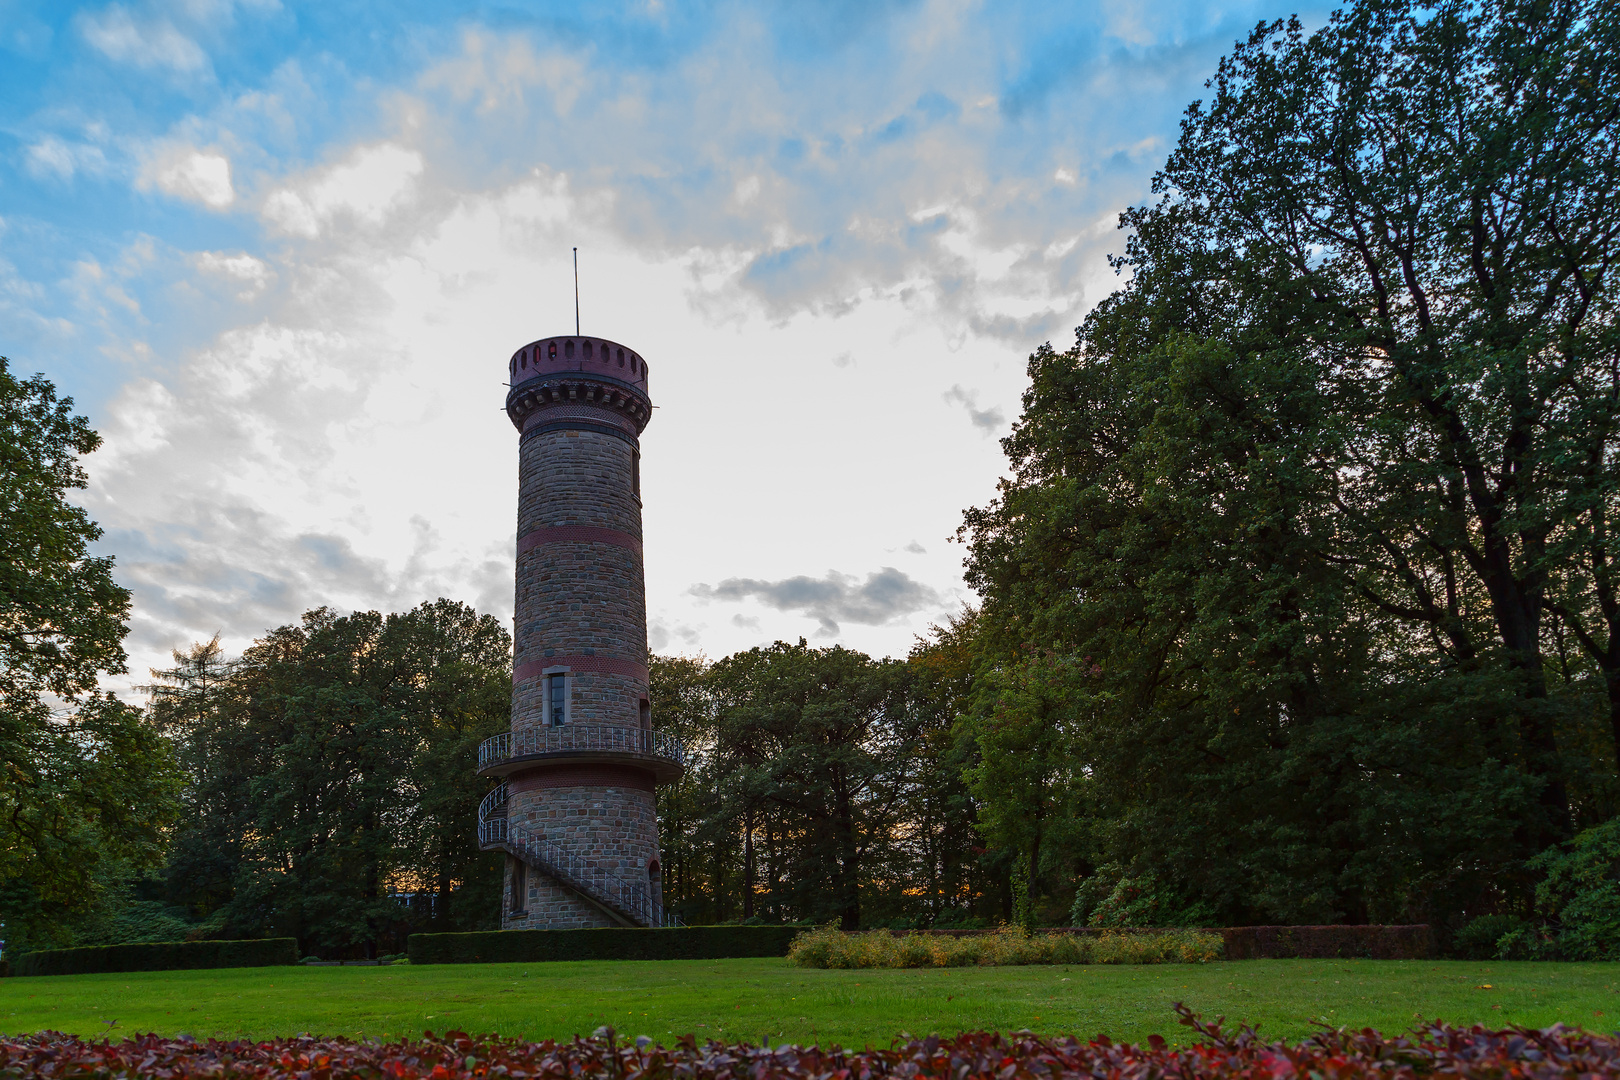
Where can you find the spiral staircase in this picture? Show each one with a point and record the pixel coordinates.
(625, 902)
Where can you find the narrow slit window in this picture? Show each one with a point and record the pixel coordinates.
(635, 472)
(556, 699)
(520, 886)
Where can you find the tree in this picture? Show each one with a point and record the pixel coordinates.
(1308, 484)
(85, 784)
(192, 704)
(61, 614)
(1439, 187)
(815, 744)
(682, 706)
(332, 775)
(945, 867)
(452, 677)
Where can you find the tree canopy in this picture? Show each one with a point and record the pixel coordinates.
(87, 788)
(1313, 518)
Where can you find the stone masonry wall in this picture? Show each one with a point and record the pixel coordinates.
(615, 827)
(549, 906)
(577, 478)
(581, 602)
(579, 597)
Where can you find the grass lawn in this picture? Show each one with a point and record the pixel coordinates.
(754, 999)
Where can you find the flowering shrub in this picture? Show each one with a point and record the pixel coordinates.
(827, 947)
(1339, 1055)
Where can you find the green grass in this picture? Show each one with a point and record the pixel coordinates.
(754, 999)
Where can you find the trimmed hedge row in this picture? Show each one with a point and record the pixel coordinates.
(603, 943)
(1327, 942)
(160, 956)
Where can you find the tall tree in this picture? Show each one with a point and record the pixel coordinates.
(1439, 186)
(61, 614)
(84, 781)
(682, 706)
(815, 740)
(332, 775)
(1307, 486)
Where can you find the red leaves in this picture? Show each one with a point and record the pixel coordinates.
(1435, 1050)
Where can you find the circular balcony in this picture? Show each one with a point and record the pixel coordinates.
(586, 744)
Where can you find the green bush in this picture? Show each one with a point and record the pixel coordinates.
(829, 947)
(160, 956)
(1579, 898)
(1482, 938)
(605, 943)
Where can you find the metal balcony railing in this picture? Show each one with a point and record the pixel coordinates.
(629, 898)
(602, 738)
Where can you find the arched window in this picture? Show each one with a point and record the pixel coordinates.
(568, 349)
(552, 352)
(621, 358)
(525, 358)
(587, 350)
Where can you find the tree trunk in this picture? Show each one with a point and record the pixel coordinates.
(848, 864)
(748, 865)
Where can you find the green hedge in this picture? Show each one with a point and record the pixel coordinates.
(1328, 942)
(606, 943)
(160, 956)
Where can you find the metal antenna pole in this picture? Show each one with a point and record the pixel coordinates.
(576, 292)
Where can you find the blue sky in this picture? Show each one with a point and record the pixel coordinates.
(279, 252)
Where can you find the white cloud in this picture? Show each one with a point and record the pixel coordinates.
(202, 176)
(746, 217)
(145, 42)
(52, 156)
(373, 181)
(242, 268)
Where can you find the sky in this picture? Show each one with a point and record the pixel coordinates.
(280, 252)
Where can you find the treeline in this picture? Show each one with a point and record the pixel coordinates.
(319, 787)
(824, 786)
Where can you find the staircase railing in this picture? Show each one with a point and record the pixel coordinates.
(492, 817)
(629, 898)
(597, 737)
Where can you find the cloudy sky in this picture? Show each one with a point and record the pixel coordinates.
(279, 252)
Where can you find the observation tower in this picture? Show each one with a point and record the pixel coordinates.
(574, 808)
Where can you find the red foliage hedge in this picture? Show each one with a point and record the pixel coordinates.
(1332, 1055)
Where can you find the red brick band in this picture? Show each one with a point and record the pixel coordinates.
(577, 534)
(593, 775)
(579, 425)
(605, 665)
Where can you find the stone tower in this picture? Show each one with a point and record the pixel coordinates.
(574, 811)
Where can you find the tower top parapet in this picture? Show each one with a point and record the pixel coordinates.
(580, 369)
(595, 356)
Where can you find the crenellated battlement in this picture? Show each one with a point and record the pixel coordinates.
(579, 371)
(549, 356)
